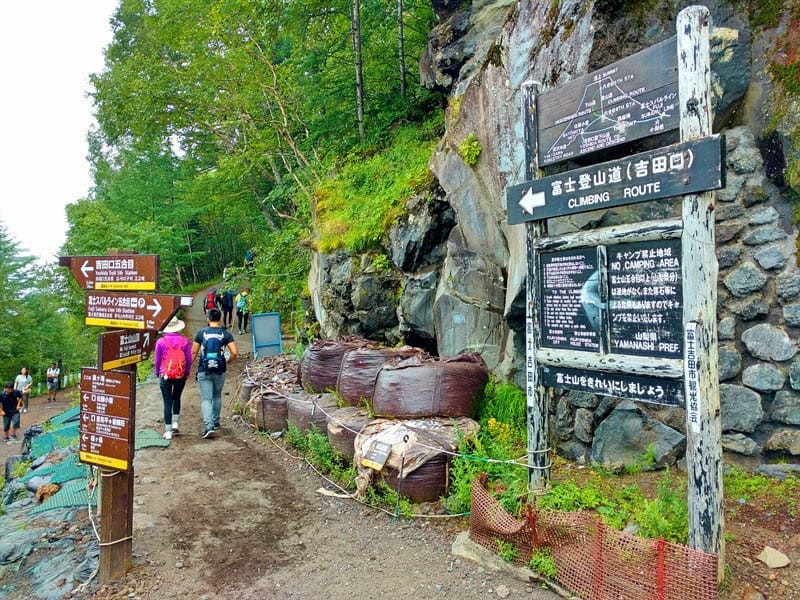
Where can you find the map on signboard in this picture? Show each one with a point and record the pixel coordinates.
(628, 100)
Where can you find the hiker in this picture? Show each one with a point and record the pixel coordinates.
(53, 373)
(210, 301)
(172, 362)
(209, 347)
(226, 306)
(242, 304)
(23, 382)
(10, 403)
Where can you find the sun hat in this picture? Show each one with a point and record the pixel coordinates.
(174, 326)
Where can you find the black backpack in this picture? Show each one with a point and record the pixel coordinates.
(212, 352)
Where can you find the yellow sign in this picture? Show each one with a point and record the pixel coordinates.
(103, 461)
(114, 323)
(124, 285)
(121, 362)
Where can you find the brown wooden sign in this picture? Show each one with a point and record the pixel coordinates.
(132, 311)
(106, 418)
(132, 272)
(630, 99)
(692, 166)
(124, 347)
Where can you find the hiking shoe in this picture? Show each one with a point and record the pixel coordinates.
(175, 429)
(216, 427)
(13, 436)
(208, 434)
(167, 435)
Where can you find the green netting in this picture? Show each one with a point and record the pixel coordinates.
(69, 462)
(68, 415)
(62, 437)
(72, 494)
(149, 437)
(67, 471)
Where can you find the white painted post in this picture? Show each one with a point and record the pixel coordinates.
(538, 397)
(699, 273)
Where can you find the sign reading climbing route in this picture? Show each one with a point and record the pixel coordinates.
(646, 299)
(685, 168)
(630, 99)
(570, 300)
(106, 418)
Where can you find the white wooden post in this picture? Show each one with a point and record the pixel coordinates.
(703, 423)
(537, 395)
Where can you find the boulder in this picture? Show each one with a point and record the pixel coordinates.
(628, 434)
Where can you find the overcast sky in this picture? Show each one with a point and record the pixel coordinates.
(48, 50)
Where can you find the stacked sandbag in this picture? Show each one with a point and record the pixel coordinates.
(360, 367)
(343, 427)
(421, 449)
(305, 410)
(421, 387)
(269, 410)
(322, 361)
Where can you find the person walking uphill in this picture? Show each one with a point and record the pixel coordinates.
(172, 362)
(209, 347)
(242, 303)
(10, 405)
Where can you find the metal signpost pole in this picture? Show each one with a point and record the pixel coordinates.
(538, 396)
(703, 423)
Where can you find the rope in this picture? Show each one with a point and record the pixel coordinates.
(520, 462)
(349, 494)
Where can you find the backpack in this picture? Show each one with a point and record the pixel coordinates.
(211, 300)
(175, 361)
(241, 303)
(212, 352)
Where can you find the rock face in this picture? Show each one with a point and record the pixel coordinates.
(456, 282)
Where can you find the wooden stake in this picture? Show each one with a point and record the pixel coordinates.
(703, 426)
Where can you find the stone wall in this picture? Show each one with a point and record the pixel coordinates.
(458, 270)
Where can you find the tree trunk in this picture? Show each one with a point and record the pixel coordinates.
(401, 52)
(356, 30)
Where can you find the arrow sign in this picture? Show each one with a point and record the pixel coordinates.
(675, 170)
(132, 311)
(531, 200)
(123, 347)
(134, 272)
(107, 418)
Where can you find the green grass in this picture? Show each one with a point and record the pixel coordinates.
(356, 207)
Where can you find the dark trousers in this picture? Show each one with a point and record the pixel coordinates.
(227, 317)
(171, 390)
(242, 318)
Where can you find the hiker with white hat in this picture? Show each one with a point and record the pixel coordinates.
(172, 362)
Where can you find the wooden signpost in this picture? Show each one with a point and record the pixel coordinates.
(628, 311)
(108, 394)
(137, 272)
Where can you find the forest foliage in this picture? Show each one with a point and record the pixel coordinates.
(221, 127)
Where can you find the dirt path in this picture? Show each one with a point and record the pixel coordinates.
(237, 517)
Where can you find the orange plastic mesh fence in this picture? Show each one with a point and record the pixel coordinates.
(593, 560)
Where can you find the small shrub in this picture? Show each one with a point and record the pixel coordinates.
(470, 149)
(19, 469)
(542, 562)
(506, 550)
(296, 439)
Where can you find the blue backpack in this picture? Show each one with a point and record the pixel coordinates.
(212, 352)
